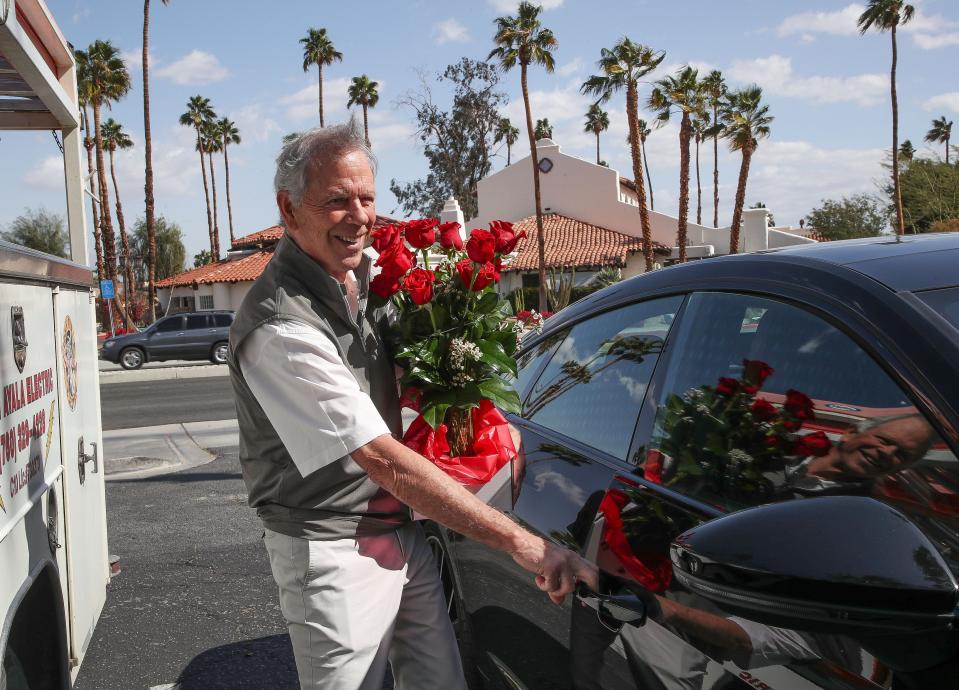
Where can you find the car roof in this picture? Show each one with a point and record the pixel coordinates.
(909, 262)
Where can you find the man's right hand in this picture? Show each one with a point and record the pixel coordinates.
(557, 569)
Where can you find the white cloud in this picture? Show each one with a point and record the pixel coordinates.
(197, 68)
(449, 31)
(304, 104)
(775, 74)
(945, 100)
(389, 135)
(570, 68)
(510, 5)
(48, 175)
(840, 22)
(254, 123)
(929, 31)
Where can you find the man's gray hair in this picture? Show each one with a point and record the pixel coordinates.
(311, 149)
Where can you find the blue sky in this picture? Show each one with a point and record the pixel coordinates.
(826, 86)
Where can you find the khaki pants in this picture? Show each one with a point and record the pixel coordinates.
(352, 604)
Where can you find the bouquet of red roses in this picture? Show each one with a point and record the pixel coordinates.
(454, 337)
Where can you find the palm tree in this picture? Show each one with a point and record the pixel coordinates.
(645, 131)
(701, 128)
(940, 133)
(319, 50)
(907, 151)
(148, 163)
(506, 132)
(745, 122)
(597, 120)
(363, 92)
(83, 93)
(887, 15)
(544, 130)
(523, 40)
(212, 144)
(115, 138)
(107, 80)
(228, 134)
(198, 111)
(680, 92)
(621, 68)
(714, 88)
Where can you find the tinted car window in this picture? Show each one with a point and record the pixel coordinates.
(528, 364)
(944, 302)
(173, 323)
(764, 401)
(195, 321)
(594, 385)
(221, 320)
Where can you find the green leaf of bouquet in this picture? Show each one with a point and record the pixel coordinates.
(501, 394)
(434, 414)
(494, 354)
(487, 303)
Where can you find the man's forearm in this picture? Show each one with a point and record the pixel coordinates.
(422, 486)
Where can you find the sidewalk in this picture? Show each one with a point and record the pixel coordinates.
(161, 371)
(152, 450)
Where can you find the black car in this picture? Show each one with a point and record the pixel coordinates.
(191, 335)
(759, 453)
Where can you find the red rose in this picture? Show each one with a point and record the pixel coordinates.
(450, 237)
(481, 246)
(506, 239)
(750, 389)
(727, 386)
(486, 274)
(419, 283)
(816, 443)
(757, 371)
(546, 314)
(792, 424)
(384, 285)
(396, 260)
(799, 406)
(772, 440)
(653, 467)
(386, 237)
(763, 410)
(421, 233)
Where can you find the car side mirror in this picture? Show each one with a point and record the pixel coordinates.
(818, 564)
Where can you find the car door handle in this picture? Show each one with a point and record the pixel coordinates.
(613, 610)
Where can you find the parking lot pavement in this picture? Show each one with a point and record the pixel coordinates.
(149, 451)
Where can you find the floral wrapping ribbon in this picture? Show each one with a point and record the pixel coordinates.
(492, 445)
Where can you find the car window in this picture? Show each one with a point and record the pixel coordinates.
(764, 401)
(593, 386)
(196, 321)
(173, 323)
(529, 363)
(944, 302)
(221, 320)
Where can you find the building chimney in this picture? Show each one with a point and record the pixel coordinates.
(452, 213)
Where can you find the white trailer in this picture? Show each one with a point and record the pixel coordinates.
(54, 563)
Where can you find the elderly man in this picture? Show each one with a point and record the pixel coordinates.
(319, 416)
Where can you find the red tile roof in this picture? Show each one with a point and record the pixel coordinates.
(245, 268)
(272, 235)
(571, 242)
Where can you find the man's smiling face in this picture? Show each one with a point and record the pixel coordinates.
(334, 218)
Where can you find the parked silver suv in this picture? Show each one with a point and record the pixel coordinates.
(191, 335)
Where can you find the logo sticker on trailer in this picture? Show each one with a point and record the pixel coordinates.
(70, 362)
(19, 337)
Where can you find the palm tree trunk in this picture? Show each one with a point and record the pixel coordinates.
(534, 158)
(740, 201)
(947, 149)
(900, 221)
(97, 230)
(685, 129)
(124, 242)
(321, 95)
(632, 113)
(649, 180)
(109, 238)
(366, 127)
(229, 204)
(715, 170)
(508, 153)
(699, 189)
(216, 222)
(597, 147)
(206, 193)
(148, 170)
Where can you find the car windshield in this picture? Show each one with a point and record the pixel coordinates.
(944, 302)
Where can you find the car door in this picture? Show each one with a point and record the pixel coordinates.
(198, 337)
(165, 337)
(761, 401)
(583, 390)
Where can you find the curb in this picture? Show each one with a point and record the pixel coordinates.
(150, 451)
(163, 374)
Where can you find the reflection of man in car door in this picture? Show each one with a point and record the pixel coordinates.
(861, 456)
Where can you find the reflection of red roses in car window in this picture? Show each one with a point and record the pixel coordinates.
(648, 566)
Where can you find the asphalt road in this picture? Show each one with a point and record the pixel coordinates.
(149, 403)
